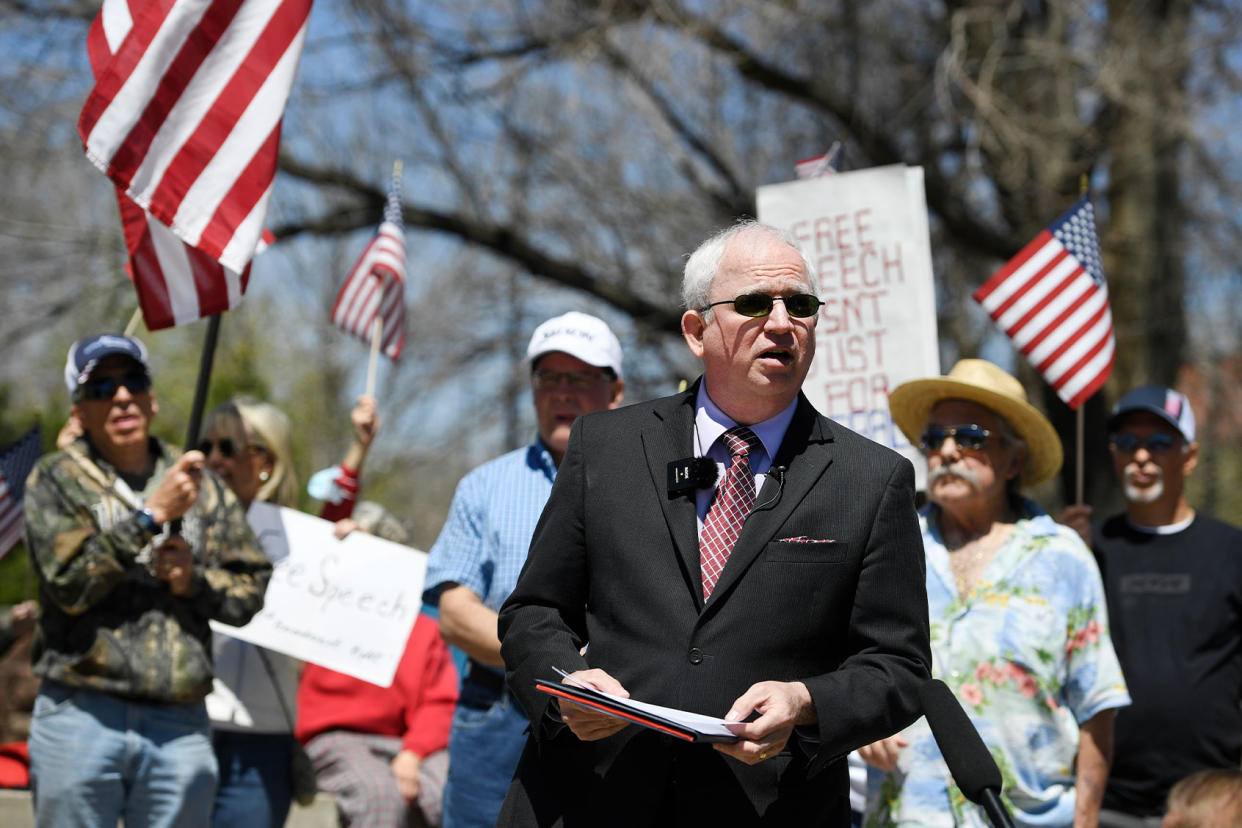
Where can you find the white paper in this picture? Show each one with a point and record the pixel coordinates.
(707, 725)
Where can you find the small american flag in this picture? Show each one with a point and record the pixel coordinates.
(1052, 301)
(827, 164)
(185, 119)
(15, 464)
(376, 284)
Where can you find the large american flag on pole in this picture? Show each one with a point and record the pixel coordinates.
(376, 284)
(185, 119)
(1052, 301)
(15, 464)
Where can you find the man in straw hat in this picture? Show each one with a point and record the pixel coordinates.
(1018, 618)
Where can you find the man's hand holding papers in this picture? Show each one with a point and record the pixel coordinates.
(781, 706)
(593, 712)
(588, 723)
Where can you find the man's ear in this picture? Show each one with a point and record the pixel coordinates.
(1017, 462)
(692, 327)
(618, 393)
(1190, 459)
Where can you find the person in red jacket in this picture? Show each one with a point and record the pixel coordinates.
(382, 751)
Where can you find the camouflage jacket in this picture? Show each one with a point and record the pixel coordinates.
(106, 622)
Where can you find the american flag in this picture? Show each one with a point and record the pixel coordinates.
(15, 464)
(827, 164)
(185, 119)
(376, 284)
(1052, 301)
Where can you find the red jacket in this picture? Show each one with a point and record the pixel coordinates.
(418, 706)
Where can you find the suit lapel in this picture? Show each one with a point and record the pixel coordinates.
(806, 453)
(671, 437)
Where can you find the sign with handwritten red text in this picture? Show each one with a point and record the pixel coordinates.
(347, 605)
(866, 234)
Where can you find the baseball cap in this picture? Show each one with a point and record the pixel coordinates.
(1167, 404)
(88, 352)
(580, 335)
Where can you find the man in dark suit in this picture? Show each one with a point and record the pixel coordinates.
(805, 615)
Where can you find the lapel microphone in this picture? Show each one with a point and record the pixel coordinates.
(779, 473)
(691, 473)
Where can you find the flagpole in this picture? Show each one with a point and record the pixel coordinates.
(1080, 412)
(204, 380)
(1078, 459)
(377, 328)
(133, 321)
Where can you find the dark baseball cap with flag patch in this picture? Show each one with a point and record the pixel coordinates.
(86, 354)
(1167, 404)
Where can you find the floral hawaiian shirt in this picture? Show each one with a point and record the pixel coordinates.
(1029, 657)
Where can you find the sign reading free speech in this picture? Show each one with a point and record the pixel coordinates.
(866, 234)
(347, 605)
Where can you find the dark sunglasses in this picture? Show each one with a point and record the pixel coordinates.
(105, 388)
(228, 448)
(801, 305)
(969, 437)
(1154, 443)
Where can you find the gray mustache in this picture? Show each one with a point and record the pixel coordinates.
(958, 469)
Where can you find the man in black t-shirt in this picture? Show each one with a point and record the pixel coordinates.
(1173, 580)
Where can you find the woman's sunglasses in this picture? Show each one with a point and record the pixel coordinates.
(228, 448)
(753, 305)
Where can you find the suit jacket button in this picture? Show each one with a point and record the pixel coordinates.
(696, 655)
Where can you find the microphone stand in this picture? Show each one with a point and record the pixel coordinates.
(995, 809)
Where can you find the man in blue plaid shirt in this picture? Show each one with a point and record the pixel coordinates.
(575, 363)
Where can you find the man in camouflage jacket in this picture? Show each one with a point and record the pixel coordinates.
(119, 726)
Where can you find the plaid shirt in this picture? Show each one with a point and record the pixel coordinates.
(484, 540)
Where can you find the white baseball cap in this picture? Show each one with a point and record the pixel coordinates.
(580, 335)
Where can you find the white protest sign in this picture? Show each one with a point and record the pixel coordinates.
(866, 233)
(347, 605)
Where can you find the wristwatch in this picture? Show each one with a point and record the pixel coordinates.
(146, 521)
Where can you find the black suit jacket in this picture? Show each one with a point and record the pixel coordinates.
(614, 563)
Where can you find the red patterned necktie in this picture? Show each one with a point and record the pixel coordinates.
(735, 497)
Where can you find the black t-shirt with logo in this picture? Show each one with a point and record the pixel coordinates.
(1175, 614)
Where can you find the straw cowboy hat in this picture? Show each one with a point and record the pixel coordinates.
(979, 381)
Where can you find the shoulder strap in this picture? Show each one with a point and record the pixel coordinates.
(271, 674)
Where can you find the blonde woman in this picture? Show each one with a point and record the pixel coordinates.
(247, 444)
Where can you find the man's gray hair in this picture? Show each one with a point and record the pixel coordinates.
(704, 262)
(1009, 437)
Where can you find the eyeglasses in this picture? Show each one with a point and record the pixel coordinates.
(228, 448)
(1154, 443)
(753, 305)
(105, 388)
(578, 380)
(969, 437)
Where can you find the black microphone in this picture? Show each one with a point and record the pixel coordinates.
(973, 768)
(691, 473)
(779, 473)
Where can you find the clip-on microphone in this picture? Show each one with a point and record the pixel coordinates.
(691, 473)
(779, 473)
